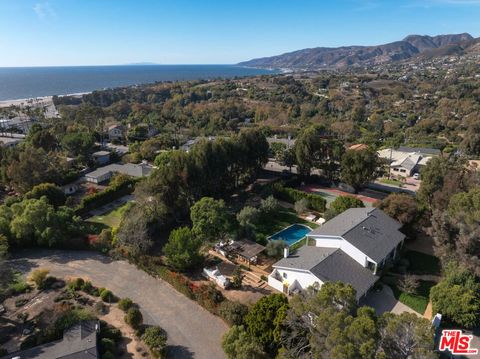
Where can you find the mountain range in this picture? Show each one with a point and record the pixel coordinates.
(341, 57)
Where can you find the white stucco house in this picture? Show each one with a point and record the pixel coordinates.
(405, 161)
(349, 248)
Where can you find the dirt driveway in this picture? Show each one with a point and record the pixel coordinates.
(192, 331)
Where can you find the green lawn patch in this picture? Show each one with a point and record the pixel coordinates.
(392, 182)
(419, 301)
(421, 263)
(284, 218)
(110, 219)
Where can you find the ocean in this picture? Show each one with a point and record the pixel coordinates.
(29, 82)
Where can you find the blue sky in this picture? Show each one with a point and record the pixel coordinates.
(98, 32)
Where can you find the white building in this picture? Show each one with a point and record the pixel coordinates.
(405, 161)
(349, 248)
(103, 174)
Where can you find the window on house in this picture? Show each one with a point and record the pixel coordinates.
(284, 275)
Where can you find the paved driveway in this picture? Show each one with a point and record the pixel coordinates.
(192, 331)
(384, 301)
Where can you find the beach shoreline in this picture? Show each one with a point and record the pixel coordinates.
(36, 101)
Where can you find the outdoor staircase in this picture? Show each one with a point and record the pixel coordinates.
(253, 280)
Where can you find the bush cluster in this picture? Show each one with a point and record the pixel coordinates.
(291, 195)
(110, 194)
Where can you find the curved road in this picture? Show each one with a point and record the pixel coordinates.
(192, 331)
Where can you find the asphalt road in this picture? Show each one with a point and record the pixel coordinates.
(192, 331)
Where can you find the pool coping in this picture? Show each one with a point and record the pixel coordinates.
(298, 224)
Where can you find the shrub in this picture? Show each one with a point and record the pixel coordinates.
(291, 195)
(275, 248)
(108, 355)
(3, 351)
(208, 296)
(107, 296)
(88, 287)
(39, 277)
(156, 339)
(232, 312)
(408, 284)
(107, 345)
(134, 318)
(125, 304)
(110, 332)
(301, 206)
(21, 302)
(76, 284)
(100, 308)
(19, 287)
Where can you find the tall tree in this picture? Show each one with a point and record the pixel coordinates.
(182, 249)
(315, 148)
(209, 218)
(359, 167)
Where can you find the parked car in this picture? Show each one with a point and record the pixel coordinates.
(416, 176)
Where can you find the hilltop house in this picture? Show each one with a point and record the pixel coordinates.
(405, 161)
(349, 248)
(115, 132)
(79, 342)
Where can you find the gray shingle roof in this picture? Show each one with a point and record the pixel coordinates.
(305, 258)
(338, 266)
(372, 231)
(79, 342)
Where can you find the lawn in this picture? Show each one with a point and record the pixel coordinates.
(284, 218)
(392, 182)
(419, 301)
(421, 263)
(110, 219)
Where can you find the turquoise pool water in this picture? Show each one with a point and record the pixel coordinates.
(291, 234)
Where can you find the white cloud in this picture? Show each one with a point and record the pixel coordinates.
(44, 11)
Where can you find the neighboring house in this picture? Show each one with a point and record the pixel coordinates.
(187, 146)
(79, 342)
(70, 188)
(405, 161)
(10, 141)
(103, 174)
(350, 248)
(115, 132)
(101, 157)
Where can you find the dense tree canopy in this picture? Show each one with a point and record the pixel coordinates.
(358, 167)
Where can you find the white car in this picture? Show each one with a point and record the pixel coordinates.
(416, 176)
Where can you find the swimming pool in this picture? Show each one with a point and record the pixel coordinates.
(291, 234)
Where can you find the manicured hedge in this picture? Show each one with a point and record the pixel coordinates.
(291, 195)
(110, 194)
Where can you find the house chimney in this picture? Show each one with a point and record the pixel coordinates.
(286, 252)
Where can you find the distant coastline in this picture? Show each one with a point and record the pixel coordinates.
(17, 84)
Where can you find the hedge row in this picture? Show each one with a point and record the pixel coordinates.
(291, 195)
(206, 295)
(110, 194)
